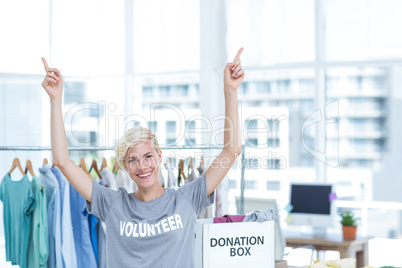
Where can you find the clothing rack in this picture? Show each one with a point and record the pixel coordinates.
(49, 148)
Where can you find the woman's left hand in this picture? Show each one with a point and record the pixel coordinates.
(233, 74)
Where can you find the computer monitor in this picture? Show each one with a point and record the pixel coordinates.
(312, 206)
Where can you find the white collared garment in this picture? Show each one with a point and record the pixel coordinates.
(108, 178)
(171, 176)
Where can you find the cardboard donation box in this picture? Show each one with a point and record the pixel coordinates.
(243, 244)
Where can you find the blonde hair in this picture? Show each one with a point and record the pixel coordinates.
(132, 137)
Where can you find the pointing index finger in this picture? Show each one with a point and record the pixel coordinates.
(238, 54)
(45, 64)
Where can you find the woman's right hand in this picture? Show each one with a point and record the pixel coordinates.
(53, 82)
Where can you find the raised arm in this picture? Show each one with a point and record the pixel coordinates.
(53, 84)
(232, 78)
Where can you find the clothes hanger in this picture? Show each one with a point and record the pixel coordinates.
(28, 167)
(116, 166)
(45, 161)
(16, 163)
(104, 164)
(181, 172)
(83, 166)
(94, 165)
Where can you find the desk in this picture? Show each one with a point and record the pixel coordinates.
(357, 249)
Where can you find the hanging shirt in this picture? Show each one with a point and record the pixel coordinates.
(171, 176)
(18, 204)
(38, 249)
(93, 222)
(130, 184)
(161, 178)
(67, 238)
(191, 177)
(109, 178)
(48, 179)
(101, 230)
(121, 180)
(82, 237)
(201, 170)
(158, 233)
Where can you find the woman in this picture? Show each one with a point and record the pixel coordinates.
(153, 227)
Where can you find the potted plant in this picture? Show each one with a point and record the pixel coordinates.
(349, 225)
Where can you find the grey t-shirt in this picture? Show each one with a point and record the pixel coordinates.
(158, 233)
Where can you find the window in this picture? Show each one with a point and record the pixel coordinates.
(252, 163)
(252, 142)
(283, 86)
(74, 92)
(106, 38)
(308, 141)
(232, 184)
(152, 125)
(190, 142)
(147, 92)
(273, 142)
(281, 31)
(171, 127)
(243, 88)
(273, 186)
(166, 38)
(307, 161)
(180, 90)
(164, 91)
(273, 125)
(360, 145)
(307, 105)
(359, 163)
(273, 163)
(193, 90)
(263, 87)
(364, 104)
(306, 85)
(368, 26)
(251, 124)
(170, 142)
(250, 185)
(190, 126)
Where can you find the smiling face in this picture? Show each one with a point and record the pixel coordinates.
(142, 164)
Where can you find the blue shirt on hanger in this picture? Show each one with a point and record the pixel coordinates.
(82, 236)
(93, 221)
(48, 179)
(67, 236)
